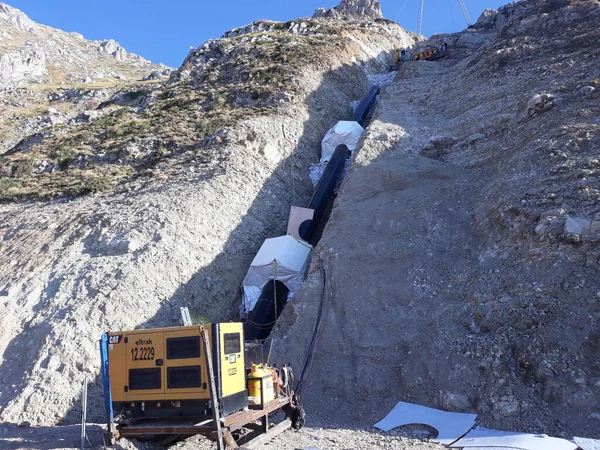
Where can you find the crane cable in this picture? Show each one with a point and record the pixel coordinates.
(463, 8)
(420, 20)
(465, 12)
(401, 9)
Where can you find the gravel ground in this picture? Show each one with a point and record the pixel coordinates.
(68, 438)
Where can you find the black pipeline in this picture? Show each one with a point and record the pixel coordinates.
(324, 191)
(267, 310)
(274, 295)
(366, 105)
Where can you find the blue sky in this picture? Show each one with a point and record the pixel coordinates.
(163, 31)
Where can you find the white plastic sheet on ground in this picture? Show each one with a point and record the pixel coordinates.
(484, 438)
(587, 444)
(284, 259)
(344, 132)
(315, 172)
(450, 425)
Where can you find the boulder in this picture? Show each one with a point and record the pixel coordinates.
(577, 225)
(487, 19)
(112, 48)
(595, 226)
(492, 19)
(454, 402)
(587, 91)
(319, 13)
(24, 64)
(154, 75)
(540, 103)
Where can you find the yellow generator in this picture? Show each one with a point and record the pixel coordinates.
(167, 381)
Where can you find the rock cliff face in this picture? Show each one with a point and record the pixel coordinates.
(352, 9)
(462, 258)
(34, 53)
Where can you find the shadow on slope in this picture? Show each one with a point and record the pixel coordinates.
(208, 295)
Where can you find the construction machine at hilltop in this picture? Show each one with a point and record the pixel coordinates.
(428, 54)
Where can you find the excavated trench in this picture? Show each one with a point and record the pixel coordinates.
(126, 261)
(274, 296)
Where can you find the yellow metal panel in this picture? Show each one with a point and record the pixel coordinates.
(117, 370)
(145, 350)
(233, 377)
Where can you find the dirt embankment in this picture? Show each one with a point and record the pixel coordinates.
(74, 268)
(456, 274)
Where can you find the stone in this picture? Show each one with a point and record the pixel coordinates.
(17, 19)
(541, 228)
(508, 408)
(319, 13)
(577, 225)
(23, 64)
(540, 103)
(587, 91)
(595, 226)
(27, 59)
(154, 75)
(455, 402)
(474, 138)
(551, 223)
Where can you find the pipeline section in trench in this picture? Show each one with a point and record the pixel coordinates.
(282, 263)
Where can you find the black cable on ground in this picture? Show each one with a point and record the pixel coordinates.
(310, 353)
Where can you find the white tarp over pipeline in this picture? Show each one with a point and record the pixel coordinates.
(284, 259)
(345, 132)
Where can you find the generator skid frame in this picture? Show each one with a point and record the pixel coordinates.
(245, 428)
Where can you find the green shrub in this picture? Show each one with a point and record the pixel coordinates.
(22, 169)
(100, 184)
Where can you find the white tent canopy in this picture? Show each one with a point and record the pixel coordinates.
(284, 259)
(347, 133)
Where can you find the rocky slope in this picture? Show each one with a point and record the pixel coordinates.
(460, 263)
(116, 139)
(158, 194)
(34, 53)
(461, 258)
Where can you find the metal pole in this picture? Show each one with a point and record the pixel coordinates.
(420, 21)
(213, 388)
(84, 412)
